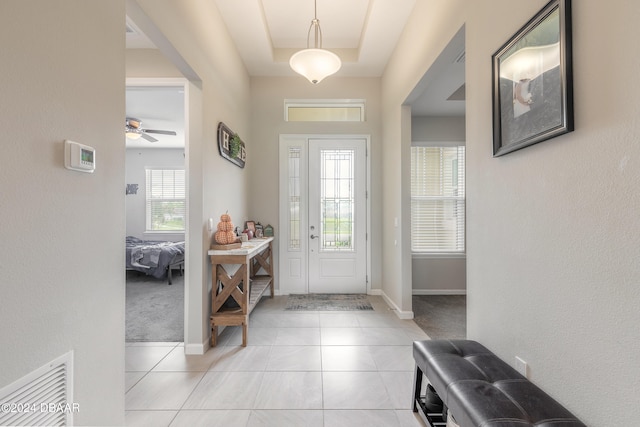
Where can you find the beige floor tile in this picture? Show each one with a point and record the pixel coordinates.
(399, 385)
(368, 418)
(250, 358)
(286, 418)
(162, 390)
(408, 418)
(338, 320)
(177, 361)
(149, 418)
(379, 320)
(354, 390)
(285, 319)
(393, 357)
(347, 358)
(295, 358)
(300, 369)
(385, 336)
(212, 418)
(341, 336)
(131, 379)
(226, 390)
(290, 390)
(298, 336)
(143, 358)
(255, 336)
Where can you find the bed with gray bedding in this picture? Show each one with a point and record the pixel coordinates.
(153, 257)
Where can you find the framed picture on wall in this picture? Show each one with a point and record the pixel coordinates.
(533, 81)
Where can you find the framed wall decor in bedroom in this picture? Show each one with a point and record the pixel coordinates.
(533, 81)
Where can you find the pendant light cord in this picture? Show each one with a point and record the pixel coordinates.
(315, 26)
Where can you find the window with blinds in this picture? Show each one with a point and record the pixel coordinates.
(437, 199)
(166, 201)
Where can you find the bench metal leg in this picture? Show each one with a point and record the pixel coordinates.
(417, 388)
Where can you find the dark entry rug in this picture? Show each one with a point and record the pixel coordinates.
(154, 309)
(441, 316)
(328, 302)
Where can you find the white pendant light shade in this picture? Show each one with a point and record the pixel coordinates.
(315, 64)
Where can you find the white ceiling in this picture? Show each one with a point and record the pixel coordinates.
(159, 108)
(363, 33)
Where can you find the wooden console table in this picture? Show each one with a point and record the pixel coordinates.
(253, 258)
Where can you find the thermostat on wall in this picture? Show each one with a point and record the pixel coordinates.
(78, 157)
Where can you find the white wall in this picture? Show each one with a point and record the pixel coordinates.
(62, 252)
(438, 129)
(431, 27)
(267, 113)
(149, 63)
(195, 31)
(552, 230)
(137, 161)
(440, 274)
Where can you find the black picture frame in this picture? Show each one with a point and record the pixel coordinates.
(225, 136)
(533, 81)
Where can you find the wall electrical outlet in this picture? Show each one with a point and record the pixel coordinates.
(522, 367)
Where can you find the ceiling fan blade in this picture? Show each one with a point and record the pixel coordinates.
(161, 132)
(149, 138)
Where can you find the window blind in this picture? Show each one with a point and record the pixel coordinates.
(438, 199)
(166, 201)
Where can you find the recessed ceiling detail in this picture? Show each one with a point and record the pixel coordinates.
(342, 22)
(363, 33)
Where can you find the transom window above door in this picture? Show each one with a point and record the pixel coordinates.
(324, 110)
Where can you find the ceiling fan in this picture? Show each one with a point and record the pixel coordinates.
(134, 130)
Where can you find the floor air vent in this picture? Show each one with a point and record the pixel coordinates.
(43, 397)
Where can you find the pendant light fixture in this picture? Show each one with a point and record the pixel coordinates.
(315, 63)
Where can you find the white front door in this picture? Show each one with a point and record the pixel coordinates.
(323, 209)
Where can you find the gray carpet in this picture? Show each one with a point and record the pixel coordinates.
(441, 316)
(154, 310)
(328, 302)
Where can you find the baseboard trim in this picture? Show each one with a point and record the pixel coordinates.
(439, 292)
(376, 292)
(196, 349)
(404, 315)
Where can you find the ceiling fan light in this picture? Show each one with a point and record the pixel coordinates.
(315, 64)
(133, 134)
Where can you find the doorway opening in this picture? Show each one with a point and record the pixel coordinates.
(156, 211)
(438, 206)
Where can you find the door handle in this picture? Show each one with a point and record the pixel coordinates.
(313, 236)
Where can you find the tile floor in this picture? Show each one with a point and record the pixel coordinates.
(331, 369)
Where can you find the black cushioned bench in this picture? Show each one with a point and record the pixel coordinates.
(479, 389)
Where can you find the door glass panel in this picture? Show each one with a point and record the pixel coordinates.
(337, 200)
(294, 198)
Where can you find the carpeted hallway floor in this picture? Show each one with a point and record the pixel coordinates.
(154, 309)
(441, 316)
